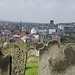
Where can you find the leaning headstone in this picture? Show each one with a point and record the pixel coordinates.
(54, 60)
(32, 53)
(17, 51)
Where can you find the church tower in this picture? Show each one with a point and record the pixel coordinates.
(20, 26)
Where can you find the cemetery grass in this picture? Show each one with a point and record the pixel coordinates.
(32, 69)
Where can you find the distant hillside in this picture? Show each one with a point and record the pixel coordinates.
(5, 21)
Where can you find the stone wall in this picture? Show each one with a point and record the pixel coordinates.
(57, 60)
(18, 53)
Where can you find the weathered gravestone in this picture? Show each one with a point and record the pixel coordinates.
(5, 65)
(13, 59)
(32, 49)
(32, 53)
(56, 60)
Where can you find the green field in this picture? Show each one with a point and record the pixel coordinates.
(32, 69)
(68, 39)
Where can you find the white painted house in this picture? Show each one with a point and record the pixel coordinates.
(52, 31)
(33, 31)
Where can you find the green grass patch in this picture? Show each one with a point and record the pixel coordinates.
(50, 36)
(68, 39)
(32, 69)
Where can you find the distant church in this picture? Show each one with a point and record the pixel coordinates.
(20, 26)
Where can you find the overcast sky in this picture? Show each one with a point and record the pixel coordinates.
(40, 11)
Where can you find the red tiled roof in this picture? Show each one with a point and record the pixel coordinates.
(17, 33)
(34, 34)
(21, 33)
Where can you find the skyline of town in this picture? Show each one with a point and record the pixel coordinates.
(35, 31)
(29, 22)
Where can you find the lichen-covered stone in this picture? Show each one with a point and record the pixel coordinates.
(55, 60)
(18, 53)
